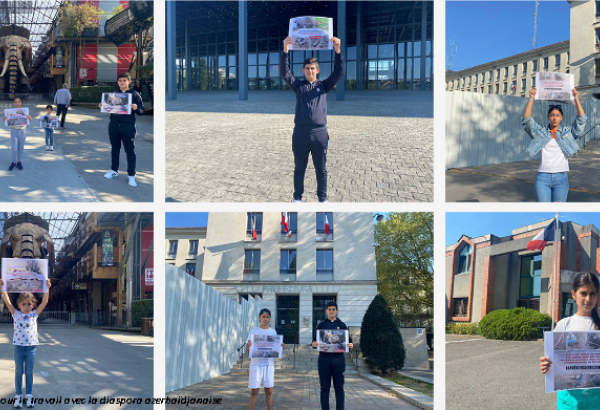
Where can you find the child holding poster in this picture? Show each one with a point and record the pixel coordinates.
(18, 134)
(262, 370)
(25, 340)
(585, 293)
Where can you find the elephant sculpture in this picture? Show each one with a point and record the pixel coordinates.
(15, 55)
(26, 240)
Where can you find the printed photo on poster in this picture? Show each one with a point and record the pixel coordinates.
(575, 358)
(16, 116)
(48, 121)
(107, 248)
(24, 275)
(311, 33)
(332, 341)
(116, 103)
(554, 86)
(265, 346)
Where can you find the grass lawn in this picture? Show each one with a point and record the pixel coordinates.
(416, 385)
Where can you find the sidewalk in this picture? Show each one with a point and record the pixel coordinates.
(74, 171)
(83, 362)
(513, 181)
(291, 392)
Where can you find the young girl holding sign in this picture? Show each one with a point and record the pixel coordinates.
(585, 293)
(262, 370)
(25, 340)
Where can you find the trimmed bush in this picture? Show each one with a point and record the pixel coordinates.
(513, 324)
(462, 328)
(141, 309)
(380, 339)
(89, 94)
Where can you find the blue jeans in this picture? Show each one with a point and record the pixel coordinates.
(17, 143)
(49, 136)
(551, 187)
(24, 355)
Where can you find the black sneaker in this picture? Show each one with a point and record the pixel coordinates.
(19, 166)
(12, 166)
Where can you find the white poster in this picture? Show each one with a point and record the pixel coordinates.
(116, 103)
(554, 86)
(16, 116)
(311, 33)
(265, 346)
(575, 358)
(332, 341)
(48, 121)
(24, 275)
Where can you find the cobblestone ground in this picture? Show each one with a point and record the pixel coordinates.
(291, 392)
(219, 149)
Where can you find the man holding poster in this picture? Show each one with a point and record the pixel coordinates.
(332, 365)
(310, 121)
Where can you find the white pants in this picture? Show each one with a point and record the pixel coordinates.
(261, 374)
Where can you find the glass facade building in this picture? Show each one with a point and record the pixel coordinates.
(389, 44)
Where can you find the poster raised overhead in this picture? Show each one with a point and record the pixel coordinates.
(24, 275)
(311, 33)
(554, 86)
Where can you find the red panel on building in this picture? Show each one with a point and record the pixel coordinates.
(126, 52)
(89, 62)
(124, 3)
(148, 274)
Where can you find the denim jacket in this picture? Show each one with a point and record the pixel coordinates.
(565, 136)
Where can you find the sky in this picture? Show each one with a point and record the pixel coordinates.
(475, 224)
(485, 31)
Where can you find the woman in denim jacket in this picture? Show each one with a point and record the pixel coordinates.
(557, 144)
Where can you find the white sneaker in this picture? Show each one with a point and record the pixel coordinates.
(18, 401)
(29, 401)
(47, 148)
(51, 148)
(111, 174)
(132, 182)
(296, 200)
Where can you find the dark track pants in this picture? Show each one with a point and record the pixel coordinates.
(122, 133)
(314, 141)
(332, 365)
(61, 108)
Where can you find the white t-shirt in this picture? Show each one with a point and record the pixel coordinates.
(25, 329)
(575, 323)
(553, 159)
(261, 361)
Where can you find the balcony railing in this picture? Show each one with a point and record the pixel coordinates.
(287, 271)
(171, 255)
(251, 270)
(325, 271)
(249, 236)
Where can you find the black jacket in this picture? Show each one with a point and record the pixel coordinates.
(129, 119)
(311, 98)
(327, 324)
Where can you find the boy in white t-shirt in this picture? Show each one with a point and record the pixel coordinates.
(262, 370)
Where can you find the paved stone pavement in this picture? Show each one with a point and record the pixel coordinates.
(219, 149)
(74, 171)
(495, 375)
(513, 181)
(291, 392)
(82, 362)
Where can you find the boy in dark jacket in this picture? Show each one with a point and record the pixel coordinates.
(332, 365)
(121, 129)
(310, 121)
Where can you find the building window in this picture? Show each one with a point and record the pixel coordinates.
(460, 307)
(513, 86)
(482, 90)
(190, 269)
(489, 89)
(289, 227)
(568, 57)
(497, 74)
(252, 261)
(193, 250)
(533, 81)
(515, 70)
(287, 263)
(497, 88)
(476, 80)
(245, 296)
(557, 61)
(469, 81)
(491, 74)
(325, 225)
(597, 39)
(254, 226)
(505, 72)
(523, 84)
(597, 9)
(324, 261)
(597, 68)
(482, 78)
(545, 63)
(534, 68)
(172, 249)
(530, 285)
(474, 90)
(524, 68)
(505, 87)
(464, 260)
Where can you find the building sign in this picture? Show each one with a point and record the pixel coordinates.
(288, 289)
(147, 238)
(79, 286)
(149, 277)
(107, 248)
(83, 72)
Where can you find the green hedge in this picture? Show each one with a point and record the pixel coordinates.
(141, 309)
(89, 94)
(462, 328)
(513, 324)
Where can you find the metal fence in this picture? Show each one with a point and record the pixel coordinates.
(46, 318)
(484, 129)
(204, 329)
(96, 318)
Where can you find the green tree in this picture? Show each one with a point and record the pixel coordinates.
(405, 265)
(380, 339)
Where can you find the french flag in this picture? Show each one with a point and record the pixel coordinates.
(327, 230)
(538, 243)
(285, 222)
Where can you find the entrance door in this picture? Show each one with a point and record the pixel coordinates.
(569, 307)
(288, 318)
(319, 305)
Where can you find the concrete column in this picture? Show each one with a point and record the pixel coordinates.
(359, 46)
(243, 47)
(171, 54)
(340, 92)
(188, 59)
(423, 42)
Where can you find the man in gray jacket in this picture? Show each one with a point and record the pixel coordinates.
(62, 100)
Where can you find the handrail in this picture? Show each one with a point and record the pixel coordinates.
(294, 351)
(240, 348)
(583, 136)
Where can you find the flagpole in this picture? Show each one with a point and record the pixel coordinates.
(556, 287)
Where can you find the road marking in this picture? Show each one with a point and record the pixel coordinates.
(462, 341)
